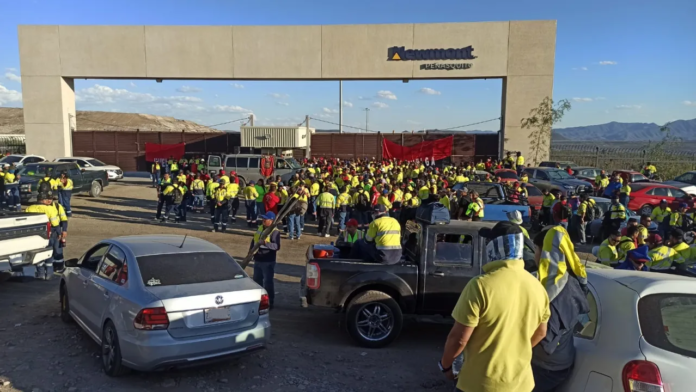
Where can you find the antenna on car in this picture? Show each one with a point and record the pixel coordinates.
(184, 240)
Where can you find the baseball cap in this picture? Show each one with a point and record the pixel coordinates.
(222, 172)
(233, 173)
(683, 205)
(386, 191)
(352, 222)
(380, 208)
(269, 215)
(251, 182)
(655, 238)
(500, 229)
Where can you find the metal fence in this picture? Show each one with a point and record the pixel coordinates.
(12, 144)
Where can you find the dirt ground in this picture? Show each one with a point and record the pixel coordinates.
(308, 350)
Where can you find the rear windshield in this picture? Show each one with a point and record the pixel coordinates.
(188, 268)
(667, 322)
(506, 174)
(534, 191)
(10, 159)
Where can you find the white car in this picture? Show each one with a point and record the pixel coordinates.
(685, 182)
(20, 159)
(91, 164)
(639, 336)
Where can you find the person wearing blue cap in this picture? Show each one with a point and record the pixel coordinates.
(265, 258)
(636, 260)
(382, 243)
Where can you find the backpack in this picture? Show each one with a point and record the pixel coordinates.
(590, 213)
(178, 195)
(45, 188)
(566, 211)
(363, 203)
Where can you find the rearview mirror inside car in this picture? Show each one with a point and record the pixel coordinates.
(71, 263)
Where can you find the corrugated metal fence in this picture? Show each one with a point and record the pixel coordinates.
(127, 148)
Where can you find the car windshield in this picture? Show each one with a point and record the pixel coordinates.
(293, 163)
(558, 175)
(10, 159)
(188, 268)
(506, 174)
(35, 170)
(95, 162)
(639, 177)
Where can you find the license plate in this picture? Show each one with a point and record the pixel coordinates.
(215, 315)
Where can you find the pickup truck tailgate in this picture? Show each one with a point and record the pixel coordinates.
(20, 232)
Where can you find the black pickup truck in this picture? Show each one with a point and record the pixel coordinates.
(89, 182)
(438, 261)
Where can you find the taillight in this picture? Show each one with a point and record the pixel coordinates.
(264, 305)
(313, 276)
(151, 318)
(641, 376)
(48, 229)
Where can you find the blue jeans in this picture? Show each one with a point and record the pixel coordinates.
(13, 200)
(623, 199)
(250, 211)
(295, 224)
(260, 208)
(64, 197)
(199, 200)
(263, 276)
(342, 220)
(155, 178)
(549, 380)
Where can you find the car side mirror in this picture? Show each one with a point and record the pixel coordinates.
(71, 263)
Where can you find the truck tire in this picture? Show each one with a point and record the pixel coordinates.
(374, 319)
(95, 189)
(242, 183)
(65, 306)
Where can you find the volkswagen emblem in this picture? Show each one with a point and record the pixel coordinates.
(218, 300)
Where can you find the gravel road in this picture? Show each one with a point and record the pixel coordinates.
(308, 350)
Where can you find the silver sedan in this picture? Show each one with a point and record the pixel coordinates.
(160, 302)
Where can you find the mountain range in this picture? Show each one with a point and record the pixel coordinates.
(616, 131)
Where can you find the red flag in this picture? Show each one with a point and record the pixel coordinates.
(438, 149)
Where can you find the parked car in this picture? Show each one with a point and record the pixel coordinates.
(534, 197)
(161, 302)
(557, 164)
(638, 335)
(586, 174)
(90, 164)
(551, 179)
(496, 201)
(506, 175)
(20, 160)
(23, 240)
(634, 176)
(438, 261)
(247, 166)
(594, 228)
(89, 182)
(685, 182)
(647, 195)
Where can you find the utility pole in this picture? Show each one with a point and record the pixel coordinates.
(340, 106)
(309, 137)
(367, 112)
(251, 120)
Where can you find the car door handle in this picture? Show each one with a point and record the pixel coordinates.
(84, 283)
(440, 274)
(106, 295)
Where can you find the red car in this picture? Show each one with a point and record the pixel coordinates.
(634, 176)
(534, 197)
(647, 195)
(506, 175)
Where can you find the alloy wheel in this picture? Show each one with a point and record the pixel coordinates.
(374, 321)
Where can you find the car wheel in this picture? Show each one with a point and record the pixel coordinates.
(65, 306)
(374, 319)
(111, 352)
(242, 183)
(646, 210)
(95, 189)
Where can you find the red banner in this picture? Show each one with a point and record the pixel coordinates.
(155, 151)
(438, 149)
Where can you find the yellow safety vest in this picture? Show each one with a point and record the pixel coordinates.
(683, 252)
(424, 193)
(210, 189)
(618, 211)
(314, 189)
(9, 178)
(220, 194)
(548, 200)
(662, 258)
(346, 237)
(250, 192)
(476, 207)
(625, 190)
(344, 199)
(607, 253)
(260, 230)
(326, 200)
(385, 231)
(232, 190)
(658, 214)
(68, 185)
(675, 219)
(197, 185)
(50, 211)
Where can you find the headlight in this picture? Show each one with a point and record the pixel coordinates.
(568, 187)
(111, 171)
(25, 187)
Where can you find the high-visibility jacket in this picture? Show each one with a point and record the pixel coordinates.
(625, 244)
(314, 189)
(210, 188)
(181, 178)
(548, 200)
(345, 236)
(662, 258)
(283, 194)
(304, 197)
(424, 192)
(675, 219)
(445, 201)
(385, 231)
(197, 185)
(53, 183)
(608, 253)
(475, 208)
(461, 179)
(68, 186)
(50, 211)
(582, 209)
(260, 230)
(155, 168)
(355, 181)
(220, 194)
(604, 182)
(524, 231)
(520, 160)
(398, 195)
(658, 214)
(326, 200)
(250, 192)
(9, 178)
(232, 190)
(61, 212)
(344, 199)
(384, 200)
(683, 253)
(524, 178)
(173, 166)
(618, 211)
(625, 190)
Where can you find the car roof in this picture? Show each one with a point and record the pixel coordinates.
(50, 163)
(626, 171)
(75, 158)
(145, 245)
(650, 185)
(544, 168)
(646, 283)
(585, 168)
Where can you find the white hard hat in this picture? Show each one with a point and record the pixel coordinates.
(515, 217)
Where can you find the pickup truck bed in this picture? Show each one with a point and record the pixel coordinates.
(23, 240)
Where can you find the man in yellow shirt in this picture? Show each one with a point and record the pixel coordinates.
(520, 163)
(233, 198)
(250, 195)
(198, 192)
(497, 333)
(326, 204)
(661, 215)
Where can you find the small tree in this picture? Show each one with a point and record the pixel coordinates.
(541, 121)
